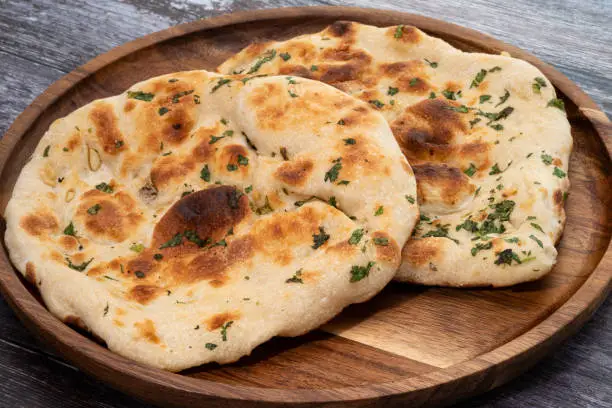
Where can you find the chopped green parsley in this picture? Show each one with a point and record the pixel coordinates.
(141, 96)
(533, 237)
(79, 267)
(470, 171)
(69, 230)
(320, 238)
(484, 98)
(93, 210)
(558, 172)
(431, 63)
(556, 103)
(399, 31)
(480, 76)
(266, 57)
(205, 173)
(356, 236)
(381, 241)
(332, 174)
(296, 278)
(105, 188)
(360, 272)
(220, 83)
(538, 84)
(376, 103)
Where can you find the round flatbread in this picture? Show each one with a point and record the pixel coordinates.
(196, 216)
(487, 138)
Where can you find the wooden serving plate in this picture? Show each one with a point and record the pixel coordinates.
(410, 345)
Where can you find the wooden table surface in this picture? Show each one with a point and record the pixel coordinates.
(41, 40)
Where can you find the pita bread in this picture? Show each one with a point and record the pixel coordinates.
(196, 216)
(487, 138)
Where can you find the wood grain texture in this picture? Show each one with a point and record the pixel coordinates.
(83, 95)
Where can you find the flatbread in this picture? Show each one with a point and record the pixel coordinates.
(196, 216)
(487, 138)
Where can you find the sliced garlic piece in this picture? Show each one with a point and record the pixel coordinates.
(93, 158)
(69, 195)
(48, 176)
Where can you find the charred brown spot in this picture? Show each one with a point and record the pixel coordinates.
(403, 68)
(409, 34)
(231, 153)
(178, 123)
(57, 257)
(310, 276)
(142, 264)
(117, 215)
(213, 264)
(407, 168)
(498, 245)
(440, 182)
(558, 198)
(419, 252)
(413, 85)
(294, 173)
(298, 227)
(360, 158)
(146, 331)
(333, 74)
(129, 106)
(301, 49)
(476, 152)
(343, 249)
(387, 249)
(39, 224)
(68, 242)
(345, 53)
(106, 126)
(143, 294)
(267, 102)
(30, 273)
(296, 70)
(216, 321)
(203, 150)
(168, 169)
(263, 93)
(74, 141)
(342, 29)
(283, 258)
(426, 130)
(256, 49)
(453, 86)
(210, 213)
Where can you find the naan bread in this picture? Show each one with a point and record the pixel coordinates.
(487, 138)
(196, 216)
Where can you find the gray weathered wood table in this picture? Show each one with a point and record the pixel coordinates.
(41, 40)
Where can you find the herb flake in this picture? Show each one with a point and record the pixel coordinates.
(360, 272)
(266, 57)
(356, 236)
(320, 239)
(141, 96)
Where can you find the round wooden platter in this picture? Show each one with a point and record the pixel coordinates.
(410, 345)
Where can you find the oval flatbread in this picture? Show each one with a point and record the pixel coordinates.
(196, 216)
(487, 138)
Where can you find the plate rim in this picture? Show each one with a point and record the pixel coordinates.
(91, 357)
